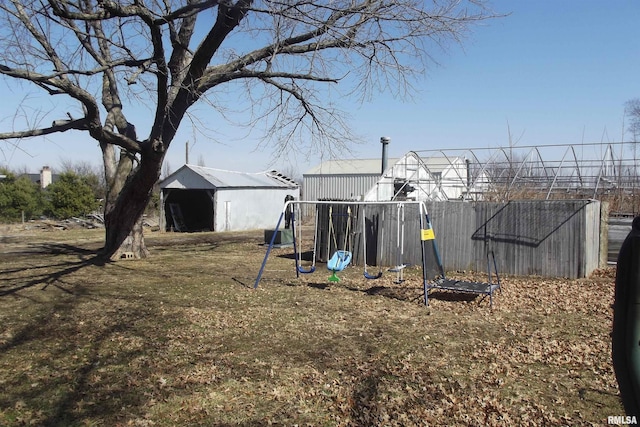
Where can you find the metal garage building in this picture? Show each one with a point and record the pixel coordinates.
(342, 179)
(196, 198)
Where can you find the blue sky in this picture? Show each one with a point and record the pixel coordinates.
(552, 71)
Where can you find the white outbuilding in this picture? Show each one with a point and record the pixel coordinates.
(197, 198)
(410, 177)
(427, 179)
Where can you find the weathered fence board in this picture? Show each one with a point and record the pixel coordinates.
(619, 228)
(546, 238)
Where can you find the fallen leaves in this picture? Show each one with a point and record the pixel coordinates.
(159, 347)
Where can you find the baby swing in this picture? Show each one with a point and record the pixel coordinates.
(340, 258)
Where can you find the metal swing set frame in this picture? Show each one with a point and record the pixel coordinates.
(342, 257)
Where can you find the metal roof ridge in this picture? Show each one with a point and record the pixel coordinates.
(226, 170)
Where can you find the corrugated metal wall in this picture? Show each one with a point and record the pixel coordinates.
(619, 228)
(545, 238)
(339, 187)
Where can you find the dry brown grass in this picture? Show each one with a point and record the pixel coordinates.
(182, 339)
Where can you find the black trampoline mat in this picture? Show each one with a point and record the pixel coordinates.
(464, 286)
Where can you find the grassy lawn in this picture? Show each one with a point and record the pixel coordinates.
(182, 339)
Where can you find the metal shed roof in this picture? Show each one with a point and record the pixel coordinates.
(203, 178)
(349, 167)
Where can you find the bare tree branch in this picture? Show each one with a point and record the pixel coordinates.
(383, 34)
(56, 127)
(280, 58)
(632, 111)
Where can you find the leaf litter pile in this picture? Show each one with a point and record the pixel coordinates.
(182, 338)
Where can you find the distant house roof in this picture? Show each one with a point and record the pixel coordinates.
(36, 177)
(350, 167)
(203, 178)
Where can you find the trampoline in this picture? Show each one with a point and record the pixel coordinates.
(478, 288)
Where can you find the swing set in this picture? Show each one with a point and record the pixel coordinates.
(340, 259)
(342, 254)
(399, 245)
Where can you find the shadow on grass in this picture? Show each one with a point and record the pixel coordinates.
(306, 256)
(244, 282)
(399, 293)
(365, 398)
(402, 293)
(47, 274)
(392, 292)
(57, 249)
(75, 373)
(370, 404)
(80, 398)
(443, 295)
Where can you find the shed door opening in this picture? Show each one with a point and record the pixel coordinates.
(194, 206)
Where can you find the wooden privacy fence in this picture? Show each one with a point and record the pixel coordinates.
(393, 235)
(618, 230)
(545, 238)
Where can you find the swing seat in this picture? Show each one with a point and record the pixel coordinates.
(398, 268)
(339, 260)
(372, 276)
(309, 271)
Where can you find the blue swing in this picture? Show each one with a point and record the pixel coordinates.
(338, 262)
(340, 258)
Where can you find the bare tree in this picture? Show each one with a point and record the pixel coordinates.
(632, 111)
(101, 58)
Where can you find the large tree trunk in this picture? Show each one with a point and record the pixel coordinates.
(125, 240)
(123, 218)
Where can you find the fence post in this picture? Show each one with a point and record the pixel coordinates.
(604, 234)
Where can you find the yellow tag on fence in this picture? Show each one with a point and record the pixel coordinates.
(427, 234)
